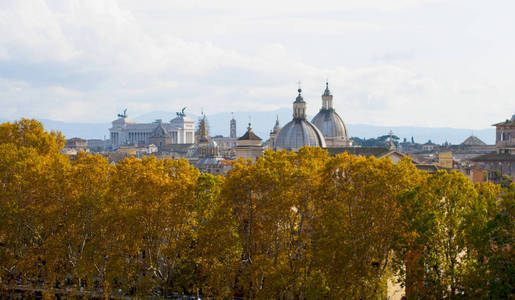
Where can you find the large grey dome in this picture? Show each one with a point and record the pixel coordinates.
(330, 124)
(298, 133)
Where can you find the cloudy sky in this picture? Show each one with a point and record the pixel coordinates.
(437, 63)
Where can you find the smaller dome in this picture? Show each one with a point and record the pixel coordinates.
(160, 131)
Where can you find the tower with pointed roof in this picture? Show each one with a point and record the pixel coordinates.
(233, 128)
(202, 131)
(203, 137)
(273, 134)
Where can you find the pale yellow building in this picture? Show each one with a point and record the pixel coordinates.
(445, 160)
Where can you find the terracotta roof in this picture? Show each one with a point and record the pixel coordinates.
(179, 148)
(508, 122)
(249, 135)
(505, 123)
(473, 141)
(430, 168)
(495, 157)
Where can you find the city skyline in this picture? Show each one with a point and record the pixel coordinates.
(418, 63)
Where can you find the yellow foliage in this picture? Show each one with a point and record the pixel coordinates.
(288, 226)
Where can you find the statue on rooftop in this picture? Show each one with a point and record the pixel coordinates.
(181, 114)
(124, 115)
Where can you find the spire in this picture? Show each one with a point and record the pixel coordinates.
(202, 129)
(327, 98)
(232, 133)
(327, 92)
(277, 126)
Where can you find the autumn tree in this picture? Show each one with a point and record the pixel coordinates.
(218, 250)
(434, 242)
(288, 226)
(359, 215)
(490, 259)
(151, 221)
(272, 203)
(32, 182)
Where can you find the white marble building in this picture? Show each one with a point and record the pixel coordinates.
(127, 132)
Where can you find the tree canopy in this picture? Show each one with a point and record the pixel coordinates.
(288, 226)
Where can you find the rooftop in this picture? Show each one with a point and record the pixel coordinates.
(495, 157)
(473, 141)
(508, 122)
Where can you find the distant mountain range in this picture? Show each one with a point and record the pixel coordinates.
(262, 123)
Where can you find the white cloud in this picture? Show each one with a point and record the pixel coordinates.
(85, 60)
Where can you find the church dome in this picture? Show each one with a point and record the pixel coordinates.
(160, 131)
(330, 124)
(299, 132)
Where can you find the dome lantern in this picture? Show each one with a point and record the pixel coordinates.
(299, 107)
(327, 98)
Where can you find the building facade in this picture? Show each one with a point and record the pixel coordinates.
(505, 136)
(233, 128)
(501, 162)
(249, 145)
(125, 131)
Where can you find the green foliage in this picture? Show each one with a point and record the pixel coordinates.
(381, 141)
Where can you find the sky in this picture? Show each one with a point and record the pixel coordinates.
(434, 63)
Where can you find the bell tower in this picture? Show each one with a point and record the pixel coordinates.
(233, 127)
